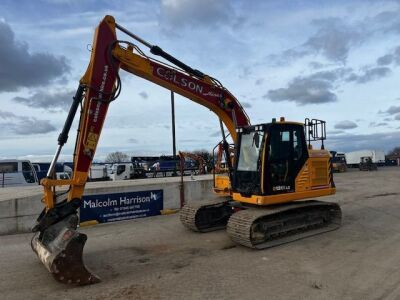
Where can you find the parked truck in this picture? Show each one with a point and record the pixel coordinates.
(128, 170)
(98, 173)
(366, 164)
(338, 162)
(353, 158)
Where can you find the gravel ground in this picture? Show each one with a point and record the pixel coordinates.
(156, 258)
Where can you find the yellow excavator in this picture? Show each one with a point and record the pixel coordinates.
(194, 157)
(274, 164)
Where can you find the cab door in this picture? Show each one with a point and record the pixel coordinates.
(286, 153)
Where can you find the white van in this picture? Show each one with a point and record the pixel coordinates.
(15, 172)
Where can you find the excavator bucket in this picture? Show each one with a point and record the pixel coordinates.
(60, 249)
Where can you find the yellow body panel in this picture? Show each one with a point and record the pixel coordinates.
(222, 185)
(283, 198)
(313, 180)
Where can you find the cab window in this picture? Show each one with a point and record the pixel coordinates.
(9, 167)
(28, 172)
(120, 169)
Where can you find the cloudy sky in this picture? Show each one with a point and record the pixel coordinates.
(332, 60)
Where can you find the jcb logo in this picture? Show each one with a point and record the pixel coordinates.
(281, 188)
(91, 141)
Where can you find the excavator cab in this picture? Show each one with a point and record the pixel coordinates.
(276, 163)
(269, 158)
(275, 166)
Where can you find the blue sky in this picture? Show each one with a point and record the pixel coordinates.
(333, 60)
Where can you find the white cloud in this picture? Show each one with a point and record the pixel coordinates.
(208, 13)
(20, 68)
(345, 125)
(57, 100)
(23, 125)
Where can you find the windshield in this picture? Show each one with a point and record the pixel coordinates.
(249, 151)
(338, 158)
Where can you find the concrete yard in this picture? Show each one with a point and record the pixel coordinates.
(156, 258)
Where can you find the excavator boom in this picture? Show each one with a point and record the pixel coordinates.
(58, 244)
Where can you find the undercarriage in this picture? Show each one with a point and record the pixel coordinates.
(263, 227)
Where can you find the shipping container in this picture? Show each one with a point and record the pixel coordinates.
(353, 158)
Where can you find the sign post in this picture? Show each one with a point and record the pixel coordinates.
(173, 129)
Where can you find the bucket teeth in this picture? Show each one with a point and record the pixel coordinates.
(62, 255)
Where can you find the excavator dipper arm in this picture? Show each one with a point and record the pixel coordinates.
(57, 243)
(59, 246)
